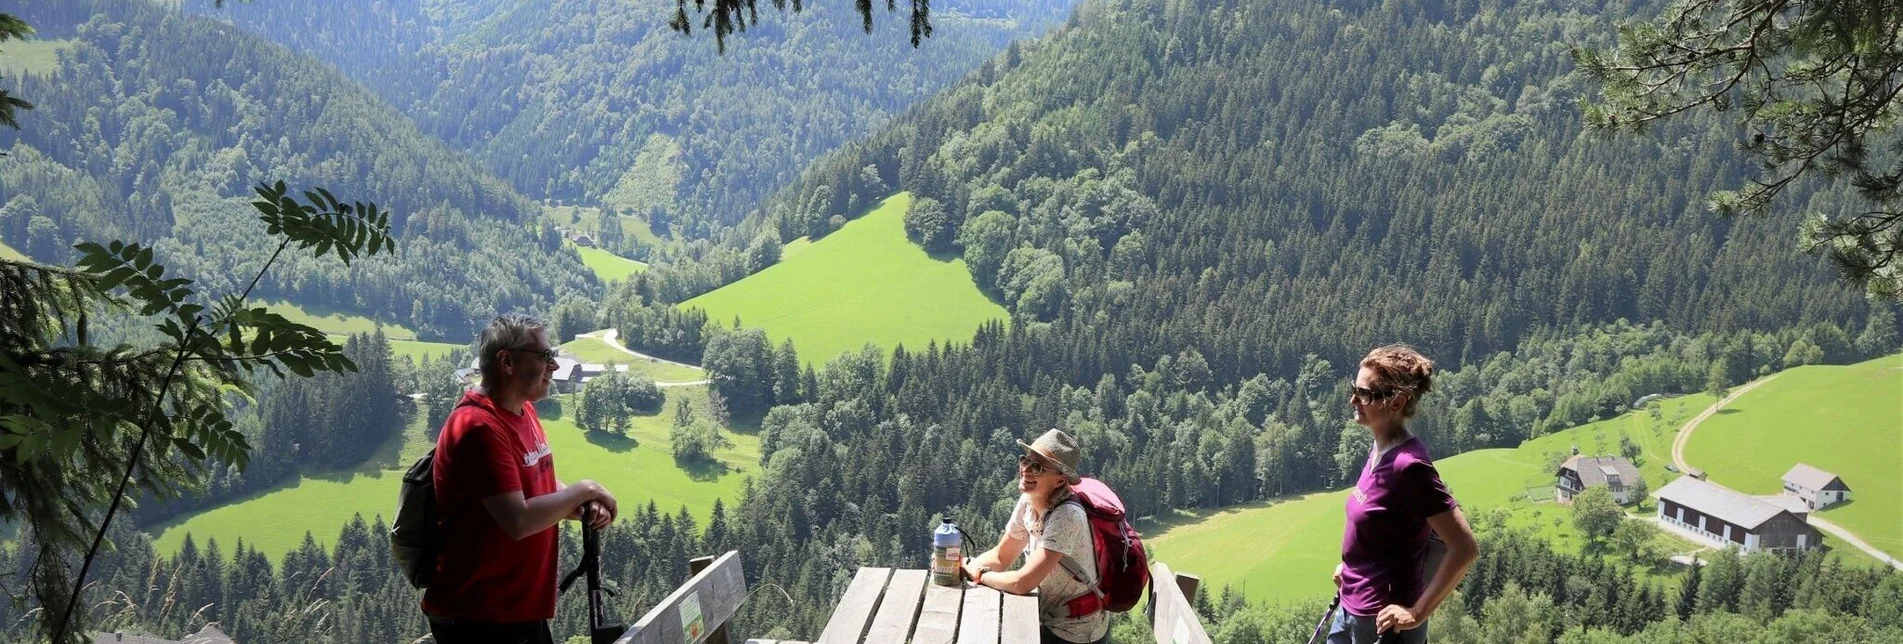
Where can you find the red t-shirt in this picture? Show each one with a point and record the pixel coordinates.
(482, 574)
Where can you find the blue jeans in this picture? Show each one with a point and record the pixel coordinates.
(1349, 628)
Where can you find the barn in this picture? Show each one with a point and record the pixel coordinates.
(1730, 518)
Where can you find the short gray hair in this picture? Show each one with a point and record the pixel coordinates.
(506, 331)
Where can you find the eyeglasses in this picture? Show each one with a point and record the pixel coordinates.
(1033, 466)
(548, 355)
(1371, 395)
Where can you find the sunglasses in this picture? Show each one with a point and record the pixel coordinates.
(1033, 466)
(548, 355)
(1371, 395)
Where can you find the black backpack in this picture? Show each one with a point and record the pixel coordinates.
(415, 539)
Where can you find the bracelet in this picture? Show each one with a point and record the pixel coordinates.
(980, 577)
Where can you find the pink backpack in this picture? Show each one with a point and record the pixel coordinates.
(1123, 570)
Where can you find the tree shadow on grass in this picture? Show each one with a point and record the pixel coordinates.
(746, 424)
(702, 470)
(616, 443)
(1727, 411)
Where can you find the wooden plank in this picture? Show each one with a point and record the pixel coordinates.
(694, 566)
(1176, 621)
(854, 612)
(979, 624)
(899, 608)
(716, 593)
(1020, 620)
(938, 619)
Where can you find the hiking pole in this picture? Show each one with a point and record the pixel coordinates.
(1327, 619)
(590, 566)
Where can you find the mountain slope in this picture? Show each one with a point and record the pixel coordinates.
(1261, 181)
(157, 124)
(598, 101)
(861, 285)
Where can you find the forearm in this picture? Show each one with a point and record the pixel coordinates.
(1016, 582)
(1460, 557)
(987, 559)
(543, 512)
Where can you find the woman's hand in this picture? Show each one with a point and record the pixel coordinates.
(1397, 618)
(1339, 568)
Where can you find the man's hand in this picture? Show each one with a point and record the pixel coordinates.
(1397, 618)
(1339, 568)
(602, 501)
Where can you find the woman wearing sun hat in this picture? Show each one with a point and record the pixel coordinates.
(1060, 560)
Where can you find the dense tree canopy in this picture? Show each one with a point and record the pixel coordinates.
(1818, 87)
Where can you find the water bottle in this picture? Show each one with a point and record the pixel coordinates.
(948, 553)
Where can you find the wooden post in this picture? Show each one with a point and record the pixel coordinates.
(1174, 619)
(694, 566)
(1188, 583)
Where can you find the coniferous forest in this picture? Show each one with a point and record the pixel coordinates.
(1198, 213)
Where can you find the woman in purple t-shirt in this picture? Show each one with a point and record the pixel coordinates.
(1391, 508)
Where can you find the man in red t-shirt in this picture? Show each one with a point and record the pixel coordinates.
(496, 486)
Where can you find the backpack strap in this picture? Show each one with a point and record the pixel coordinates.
(451, 517)
(1091, 600)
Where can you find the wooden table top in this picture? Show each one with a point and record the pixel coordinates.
(895, 606)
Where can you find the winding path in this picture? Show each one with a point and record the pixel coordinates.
(611, 337)
(1678, 458)
(1685, 432)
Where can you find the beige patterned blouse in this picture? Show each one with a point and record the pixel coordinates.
(1066, 532)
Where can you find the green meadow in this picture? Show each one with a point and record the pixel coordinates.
(36, 57)
(864, 283)
(7, 252)
(339, 326)
(588, 219)
(636, 467)
(593, 350)
(1847, 420)
(336, 323)
(415, 349)
(1294, 544)
(609, 267)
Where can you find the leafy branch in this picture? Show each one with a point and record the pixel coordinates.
(1816, 84)
(66, 402)
(729, 16)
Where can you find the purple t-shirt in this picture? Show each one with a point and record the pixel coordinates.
(1385, 544)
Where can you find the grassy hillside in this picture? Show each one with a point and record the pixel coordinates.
(7, 252)
(1291, 546)
(416, 349)
(863, 283)
(598, 352)
(1844, 419)
(333, 323)
(638, 468)
(609, 266)
(1299, 540)
(587, 219)
(339, 326)
(38, 57)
